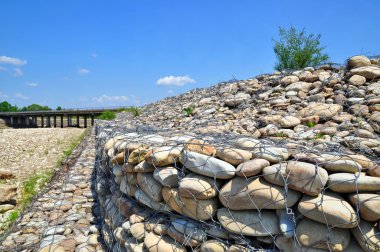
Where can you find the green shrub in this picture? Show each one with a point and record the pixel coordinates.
(107, 115)
(297, 49)
(189, 110)
(310, 124)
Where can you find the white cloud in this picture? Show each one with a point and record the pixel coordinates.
(32, 84)
(94, 55)
(17, 72)
(175, 80)
(83, 71)
(21, 96)
(170, 91)
(107, 98)
(3, 69)
(12, 61)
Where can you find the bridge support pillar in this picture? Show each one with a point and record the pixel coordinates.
(68, 121)
(27, 121)
(85, 121)
(12, 121)
(42, 122)
(61, 121)
(34, 121)
(78, 125)
(55, 121)
(48, 121)
(18, 121)
(92, 120)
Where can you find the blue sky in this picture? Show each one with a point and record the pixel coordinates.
(89, 53)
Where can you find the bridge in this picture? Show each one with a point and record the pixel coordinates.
(29, 119)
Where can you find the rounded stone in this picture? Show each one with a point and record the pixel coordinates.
(356, 80)
(150, 186)
(194, 208)
(272, 154)
(251, 167)
(182, 238)
(201, 147)
(300, 176)
(367, 235)
(358, 61)
(256, 193)
(155, 243)
(329, 208)
(167, 176)
(213, 246)
(206, 165)
(369, 205)
(316, 235)
(189, 229)
(350, 183)
(343, 166)
(137, 230)
(234, 156)
(163, 156)
(249, 222)
(198, 186)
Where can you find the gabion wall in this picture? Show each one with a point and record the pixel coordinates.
(176, 191)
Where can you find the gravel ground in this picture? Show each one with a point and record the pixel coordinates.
(25, 152)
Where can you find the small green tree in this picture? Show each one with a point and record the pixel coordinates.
(58, 108)
(297, 49)
(107, 115)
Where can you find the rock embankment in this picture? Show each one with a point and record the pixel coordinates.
(25, 153)
(64, 217)
(287, 161)
(177, 191)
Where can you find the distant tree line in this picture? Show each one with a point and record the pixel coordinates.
(7, 107)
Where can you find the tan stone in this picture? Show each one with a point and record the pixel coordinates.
(369, 72)
(368, 236)
(329, 208)
(138, 155)
(150, 186)
(182, 238)
(300, 176)
(287, 80)
(356, 80)
(163, 156)
(369, 205)
(255, 193)
(323, 110)
(213, 246)
(234, 156)
(349, 183)
(358, 61)
(7, 192)
(251, 167)
(201, 147)
(198, 186)
(249, 222)
(193, 208)
(155, 243)
(316, 235)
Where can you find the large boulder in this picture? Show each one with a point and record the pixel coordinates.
(323, 110)
(249, 222)
(256, 193)
(7, 192)
(329, 208)
(358, 61)
(369, 72)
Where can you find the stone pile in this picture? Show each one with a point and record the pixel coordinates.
(176, 191)
(331, 104)
(8, 197)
